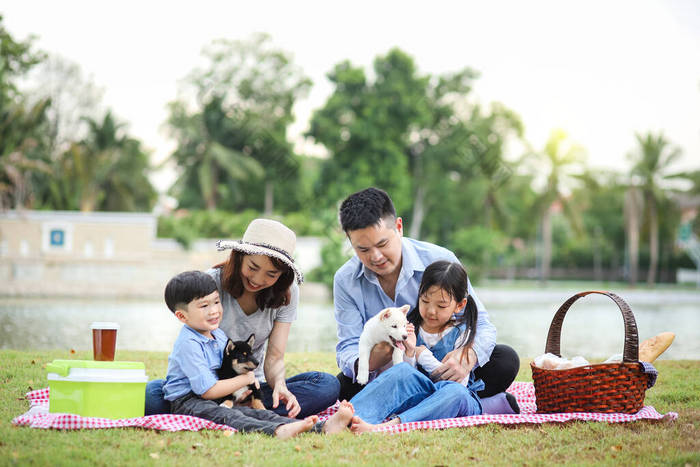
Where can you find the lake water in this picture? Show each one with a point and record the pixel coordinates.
(592, 328)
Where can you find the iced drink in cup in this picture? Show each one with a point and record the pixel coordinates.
(104, 341)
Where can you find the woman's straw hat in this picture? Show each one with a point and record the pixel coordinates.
(267, 237)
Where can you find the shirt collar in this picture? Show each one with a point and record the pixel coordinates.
(201, 337)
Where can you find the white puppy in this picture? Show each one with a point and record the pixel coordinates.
(389, 325)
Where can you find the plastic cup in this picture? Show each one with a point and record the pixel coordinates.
(104, 340)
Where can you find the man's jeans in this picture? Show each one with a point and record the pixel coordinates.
(315, 391)
(404, 391)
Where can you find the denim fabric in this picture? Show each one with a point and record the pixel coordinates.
(315, 391)
(404, 391)
(358, 296)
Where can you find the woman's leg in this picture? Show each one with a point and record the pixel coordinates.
(394, 391)
(449, 400)
(155, 399)
(499, 372)
(315, 391)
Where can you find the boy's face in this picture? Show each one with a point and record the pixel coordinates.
(202, 314)
(379, 246)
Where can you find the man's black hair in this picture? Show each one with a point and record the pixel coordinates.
(365, 208)
(188, 286)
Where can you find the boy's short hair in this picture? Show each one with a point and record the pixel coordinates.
(365, 208)
(188, 286)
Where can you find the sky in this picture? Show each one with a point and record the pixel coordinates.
(600, 70)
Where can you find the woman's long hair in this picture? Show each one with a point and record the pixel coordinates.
(452, 278)
(271, 297)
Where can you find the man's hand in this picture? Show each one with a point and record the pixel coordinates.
(380, 355)
(451, 368)
(410, 342)
(282, 393)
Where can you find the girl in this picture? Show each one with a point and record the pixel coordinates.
(259, 290)
(404, 392)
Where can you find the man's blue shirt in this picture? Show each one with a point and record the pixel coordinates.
(193, 363)
(357, 296)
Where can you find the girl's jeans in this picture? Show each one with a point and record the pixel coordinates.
(404, 391)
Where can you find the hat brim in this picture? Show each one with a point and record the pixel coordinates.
(250, 249)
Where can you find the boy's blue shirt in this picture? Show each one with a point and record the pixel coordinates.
(193, 363)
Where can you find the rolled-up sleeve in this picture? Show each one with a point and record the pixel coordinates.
(485, 339)
(349, 320)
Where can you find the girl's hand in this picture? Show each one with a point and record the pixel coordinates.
(410, 342)
(420, 350)
(282, 393)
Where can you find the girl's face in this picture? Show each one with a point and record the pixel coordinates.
(258, 272)
(436, 307)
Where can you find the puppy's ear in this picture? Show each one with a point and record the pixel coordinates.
(404, 309)
(251, 340)
(385, 314)
(229, 347)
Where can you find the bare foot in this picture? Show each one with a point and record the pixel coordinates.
(339, 421)
(360, 426)
(289, 430)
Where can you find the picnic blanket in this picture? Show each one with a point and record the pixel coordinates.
(38, 416)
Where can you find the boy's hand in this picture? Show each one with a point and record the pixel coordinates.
(410, 342)
(252, 379)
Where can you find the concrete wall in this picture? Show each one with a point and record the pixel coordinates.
(103, 254)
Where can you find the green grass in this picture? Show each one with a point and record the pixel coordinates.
(645, 443)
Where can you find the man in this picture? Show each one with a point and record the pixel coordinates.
(386, 272)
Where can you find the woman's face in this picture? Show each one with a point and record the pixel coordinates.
(258, 272)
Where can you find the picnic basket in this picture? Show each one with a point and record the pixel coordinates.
(603, 387)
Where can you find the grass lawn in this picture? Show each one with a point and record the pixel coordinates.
(638, 443)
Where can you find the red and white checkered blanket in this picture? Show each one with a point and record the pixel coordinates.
(38, 416)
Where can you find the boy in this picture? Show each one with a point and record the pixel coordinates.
(191, 385)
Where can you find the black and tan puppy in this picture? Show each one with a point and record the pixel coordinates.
(238, 359)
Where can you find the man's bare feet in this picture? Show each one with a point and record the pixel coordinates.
(339, 421)
(289, 430)
(360, 426)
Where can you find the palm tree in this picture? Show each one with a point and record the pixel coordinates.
(107, 170)
(651, 162)
(204, 160)
(560, 156)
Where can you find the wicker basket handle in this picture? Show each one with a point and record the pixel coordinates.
(630, 352)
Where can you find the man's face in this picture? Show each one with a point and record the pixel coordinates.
(379, 246)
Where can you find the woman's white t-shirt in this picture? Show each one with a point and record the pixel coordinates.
(238, 326)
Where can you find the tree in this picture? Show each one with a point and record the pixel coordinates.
(652, 160)
(20, 123)
(366, 128)
(234, 134)
(560, 156)
(107, 171)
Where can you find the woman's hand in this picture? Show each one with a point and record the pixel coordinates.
(454, 367)
(410, 342)
(281, 393)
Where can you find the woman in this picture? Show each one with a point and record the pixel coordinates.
(259, 290)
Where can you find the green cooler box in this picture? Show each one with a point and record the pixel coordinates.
(97, 389)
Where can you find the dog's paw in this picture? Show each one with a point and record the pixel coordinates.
(362, 379)
(227, 403)
(257, 404)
